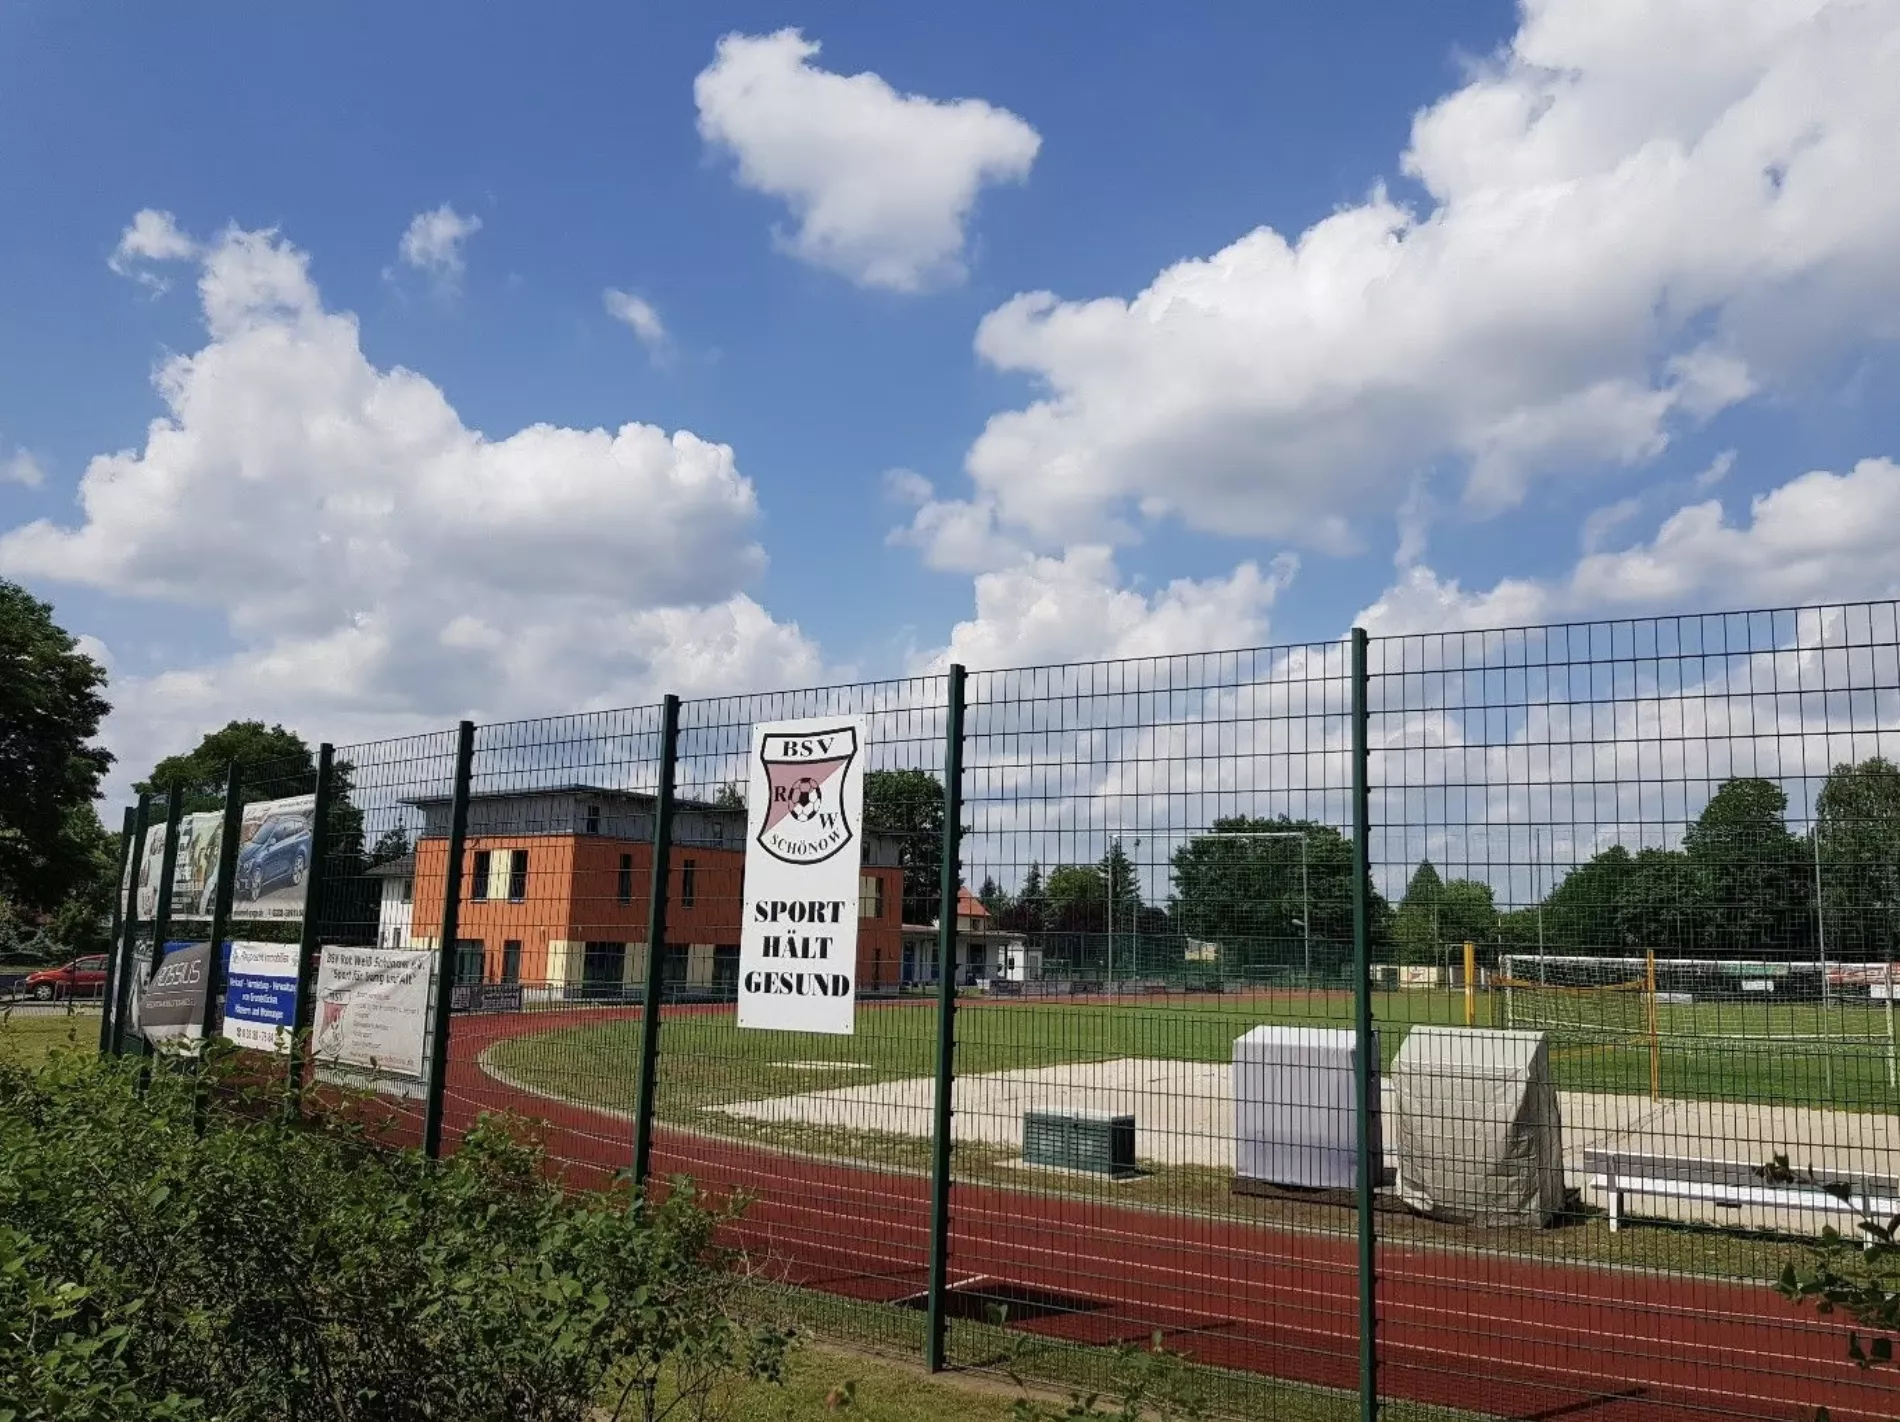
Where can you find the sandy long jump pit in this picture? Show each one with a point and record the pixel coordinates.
(1184, 1116)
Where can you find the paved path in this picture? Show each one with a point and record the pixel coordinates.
(1504, 1335)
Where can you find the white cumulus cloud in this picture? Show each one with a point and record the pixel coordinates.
(433, 241)
(637, 316)
(1075, 608)
(152, 236)
(1633, 217)
(1819, 537)
(881, 184)
(381, 565)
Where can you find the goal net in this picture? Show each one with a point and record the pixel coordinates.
(1620, 999)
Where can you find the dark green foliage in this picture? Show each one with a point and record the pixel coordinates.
(908, 804)
(1753, 880)
(1859, 833)
(264, 1270)
(1247, 894)
(272, 763)
(1859, 1277)
(50, 709)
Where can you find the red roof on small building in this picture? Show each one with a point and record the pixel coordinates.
(969, 905)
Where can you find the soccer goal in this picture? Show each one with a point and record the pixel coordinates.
(1727, 1004)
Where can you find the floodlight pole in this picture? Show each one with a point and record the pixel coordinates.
(1820, 921)
(1306, 896)
(1108, 883)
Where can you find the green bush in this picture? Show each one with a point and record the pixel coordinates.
(265, 1269)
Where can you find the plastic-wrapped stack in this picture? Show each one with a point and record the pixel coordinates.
(1293, 1107)
(1480, 1134)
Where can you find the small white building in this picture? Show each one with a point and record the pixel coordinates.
(396, 909)
(983, 951)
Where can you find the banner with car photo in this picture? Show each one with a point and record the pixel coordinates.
(273, 863)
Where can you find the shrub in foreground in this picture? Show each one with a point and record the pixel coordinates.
(264, 1269)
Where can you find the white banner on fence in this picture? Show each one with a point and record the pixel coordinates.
(372, 1008)
(798, 941)
(260, 995)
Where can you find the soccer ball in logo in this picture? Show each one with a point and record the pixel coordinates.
(805, 798)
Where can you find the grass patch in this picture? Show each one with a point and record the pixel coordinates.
(27, 1038)
(983, 1357)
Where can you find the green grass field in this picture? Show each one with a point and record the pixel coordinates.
(708, 1061)
(27, 1037)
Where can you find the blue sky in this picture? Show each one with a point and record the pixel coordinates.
(1566, 292)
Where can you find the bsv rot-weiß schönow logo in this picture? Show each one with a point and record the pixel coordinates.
(805, 818)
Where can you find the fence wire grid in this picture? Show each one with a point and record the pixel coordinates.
(1541, 970)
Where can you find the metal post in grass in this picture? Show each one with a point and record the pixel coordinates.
(948, 885)
(1365, 1082)
(221, 898)
(445, 944)
(115, 959)
(660, 886)
(162, 909)
(129, 926)
(309, 939)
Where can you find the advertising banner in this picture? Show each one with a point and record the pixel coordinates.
(273, 863)
(169, 1008)
(798, 940)
(485, 997)
(372, 1008)
(260, 995)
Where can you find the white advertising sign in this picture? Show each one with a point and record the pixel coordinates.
(372, 1008)
(798, 941)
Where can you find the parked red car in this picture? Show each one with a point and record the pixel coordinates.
(83, 977)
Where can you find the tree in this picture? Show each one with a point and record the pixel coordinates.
(1248, 893)
(908, 805)
(1415, 926)
(1467, 912)
(50, 709)
(1857, 834)
(730, 796)
(1580, 913)
(1659, 907)
(1028, 911)
(992, 897)
(1078, 898)
(272, 763)
(1753, 881)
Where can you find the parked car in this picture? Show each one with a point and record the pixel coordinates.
(83, 977)
(279, 853)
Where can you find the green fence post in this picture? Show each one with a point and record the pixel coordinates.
(162, 910)
(222, 896)
(645, 1088)
(115, 967)
(1365, 1082)
(309, 941)
(950, 883)
(445, 948)
(129, 925)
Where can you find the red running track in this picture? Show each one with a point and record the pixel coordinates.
(1499, 1334)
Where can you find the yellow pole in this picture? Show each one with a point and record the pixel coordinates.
(1471, 985)
(1655, 1043)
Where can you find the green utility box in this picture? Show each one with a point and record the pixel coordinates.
(1101, 1145)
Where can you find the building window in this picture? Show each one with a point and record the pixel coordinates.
(407, 890)
(511, 960)
(689, 883)
(623, 888)
(478, 879)
(870, 896)
(468, 961)
(518, 876)
(593, 819)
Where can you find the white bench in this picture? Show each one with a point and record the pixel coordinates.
(1728, 1182)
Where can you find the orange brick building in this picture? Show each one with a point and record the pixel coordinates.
(555, 890)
